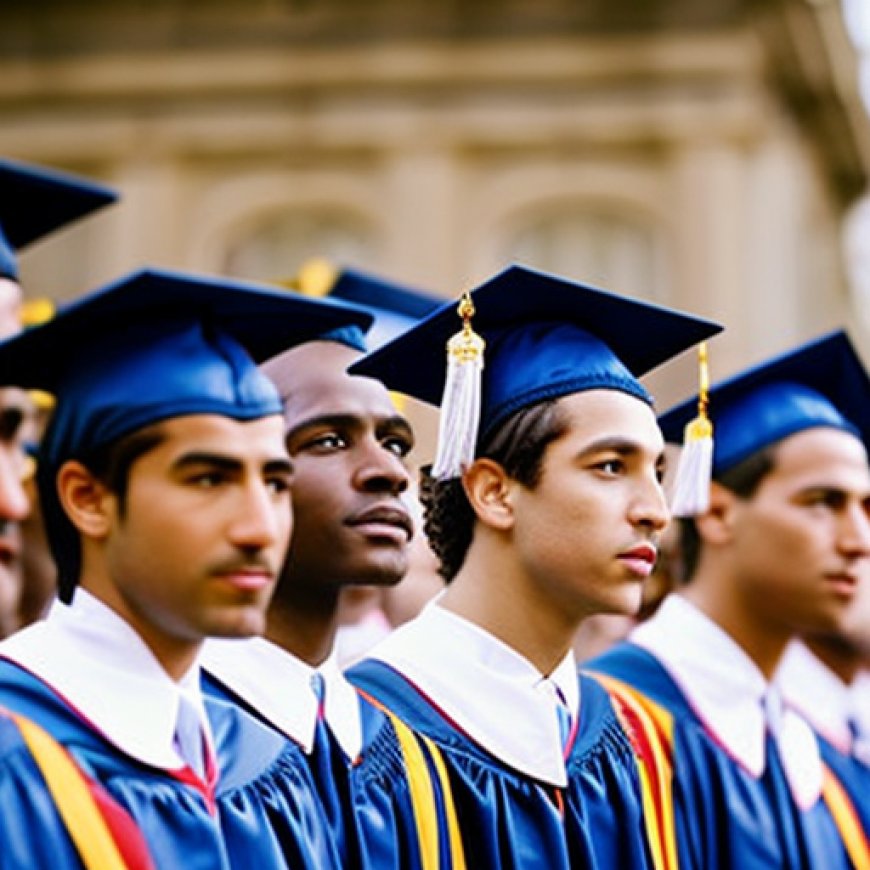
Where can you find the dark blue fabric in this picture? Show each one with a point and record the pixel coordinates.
(512, 822)
(35, 201)
(546, 337)
(725, 818)
(363, 807)
(821, 383)
(263, 813)
(853, 775)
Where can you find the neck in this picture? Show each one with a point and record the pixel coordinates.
(175, 655)
(489, 592)
(761, 640)
(303, 619)
(838, 654)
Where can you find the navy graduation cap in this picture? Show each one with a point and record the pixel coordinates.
(35, 201)
(538, 336)
(394, 307)
(150, 346)
(821, 383)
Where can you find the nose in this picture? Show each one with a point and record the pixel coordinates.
(14, 504)
(649, 509)
(262, 518)
(381, 470)
(854, 537)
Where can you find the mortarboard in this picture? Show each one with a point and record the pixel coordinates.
(154, 345)
(821, 383)
(545, 337)
(35, 201)
(394, 307)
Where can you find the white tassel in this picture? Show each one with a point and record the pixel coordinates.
(460, 404)
(691, 490)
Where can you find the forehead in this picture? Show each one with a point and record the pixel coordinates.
(222, 435)
(610, 414)
(825, 454)
(313, 381)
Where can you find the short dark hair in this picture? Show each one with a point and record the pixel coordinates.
(110, 464)
(518, 445)
(743, 480)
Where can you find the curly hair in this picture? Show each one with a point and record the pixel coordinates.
(518, 445)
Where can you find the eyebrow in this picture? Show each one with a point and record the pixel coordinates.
(392, 423)
(228, 463)
(621, 446)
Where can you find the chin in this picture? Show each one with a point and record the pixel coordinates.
(250, 623)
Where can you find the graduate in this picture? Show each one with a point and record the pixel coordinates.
(825, 676)
(352, 528)
(164, 483)
(34, 202)
(548, 515)
(776, 545)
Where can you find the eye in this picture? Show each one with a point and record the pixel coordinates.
(326, 441)
(279, 484)
(611, 467)
(206, 479)
(397, 445)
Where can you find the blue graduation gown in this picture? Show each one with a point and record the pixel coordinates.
(365, 811)
(183, 823)
(512, 822)
(724, 817)
(32, 833)
(853, 775)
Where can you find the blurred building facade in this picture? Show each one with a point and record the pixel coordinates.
(697, 153)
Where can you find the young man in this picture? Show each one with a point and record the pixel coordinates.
(554, 517)
(825, 676)
(352, 528)
(779, 550)
(164, 483)
(33, 203)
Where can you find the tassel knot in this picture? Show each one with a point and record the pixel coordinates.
(460, 404)
(691, 490)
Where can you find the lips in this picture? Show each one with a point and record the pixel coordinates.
(843, 582)
(386, 517)
(640, 559)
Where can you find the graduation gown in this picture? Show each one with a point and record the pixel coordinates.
(32, 833)
(237, 815)
(725, 816)
(840, 716)
(509, 818)
(349, 758)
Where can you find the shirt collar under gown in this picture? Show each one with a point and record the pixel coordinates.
(490, 691)
(105, 671)
(731, 696)
(840, 712)
(279, 686)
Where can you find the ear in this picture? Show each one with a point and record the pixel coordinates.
(716, 526)
(86, 500)
(488, 489)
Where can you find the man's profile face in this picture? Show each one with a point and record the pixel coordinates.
(802, 541)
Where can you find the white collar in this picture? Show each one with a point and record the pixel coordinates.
(827, 703)
(728, 692)
(495, 695)
(278, 686)
(104, 670)
(811, 687)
